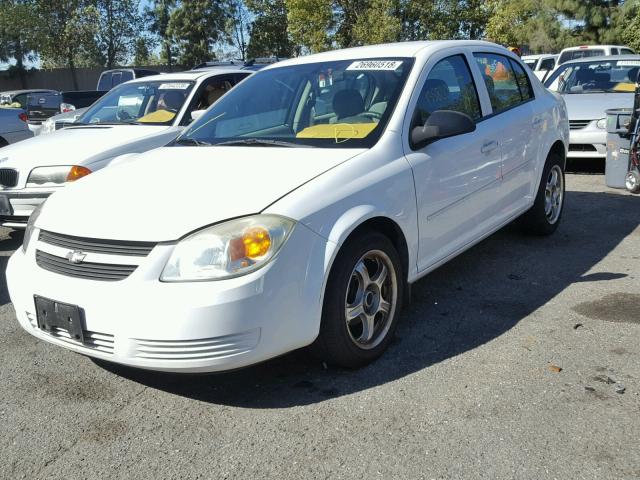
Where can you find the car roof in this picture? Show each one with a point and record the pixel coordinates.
(190, 75)
(389, 50)
(591, 47)
(602, 58)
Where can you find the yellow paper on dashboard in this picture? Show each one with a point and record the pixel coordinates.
(338, 131)
(159, 116)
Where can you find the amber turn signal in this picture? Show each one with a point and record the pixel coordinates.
(77, 172)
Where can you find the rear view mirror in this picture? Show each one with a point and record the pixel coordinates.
(196, 114)
(441, 124)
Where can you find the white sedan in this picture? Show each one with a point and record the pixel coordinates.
(296, 211)
(134, 117)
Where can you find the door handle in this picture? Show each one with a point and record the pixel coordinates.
(489, 147)
(537, 123)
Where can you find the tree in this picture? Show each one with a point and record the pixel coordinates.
(433, 20)
(377, 24)
(157, 17)
(593, 21)
(17, 39)
(269, 29)
(310, 22)
(237, 27)
(66, 33)
(630, 24)
(118, 29)
(196, 26)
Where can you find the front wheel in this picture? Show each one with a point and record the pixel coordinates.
(632, 181)
(362, 302)
(544, 216)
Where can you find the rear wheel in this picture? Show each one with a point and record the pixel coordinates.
(362, 302)
(544, 217)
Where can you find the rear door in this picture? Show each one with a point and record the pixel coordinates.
(513, 116)
(456, 179)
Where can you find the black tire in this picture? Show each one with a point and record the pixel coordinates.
(3, 142)
(336, 343)
(632, 181)
(537, 220)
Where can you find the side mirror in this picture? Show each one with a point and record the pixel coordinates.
(441, 124)
(196, 114)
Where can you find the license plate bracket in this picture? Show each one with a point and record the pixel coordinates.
(51, 315)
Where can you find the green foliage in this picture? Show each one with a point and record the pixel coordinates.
(310, 22)
(377, 24)
(594, 21)
(157, 18)
(196, 26)
(118, 29)
(17, 33)
(630, 24)
(269, 31)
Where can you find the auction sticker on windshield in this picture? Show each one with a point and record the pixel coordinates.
(375, 65)
(628, 63)
(174, 86)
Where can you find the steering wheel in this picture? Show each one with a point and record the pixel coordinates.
(373, 115)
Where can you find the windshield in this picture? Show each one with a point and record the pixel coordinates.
(147, 103)
(614, 76)
(328, 104)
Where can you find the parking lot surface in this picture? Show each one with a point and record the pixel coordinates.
(507, 364)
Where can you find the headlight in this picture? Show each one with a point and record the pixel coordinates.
(602, 123)
(56, 176)
(31, 227)
(229, 249)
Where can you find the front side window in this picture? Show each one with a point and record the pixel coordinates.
(612, 76)
(548, 64)
(150, 103)
(326, 104)
(449, 86)
(500, 80)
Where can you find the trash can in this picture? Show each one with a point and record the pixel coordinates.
(618, 143)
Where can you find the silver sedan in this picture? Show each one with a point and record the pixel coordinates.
(591, 86)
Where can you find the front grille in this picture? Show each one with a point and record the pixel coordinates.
(92, 245)
(577, 147)
(200, 349)
(103, 342)
(91, 271)
(578, 124)
(8, 177)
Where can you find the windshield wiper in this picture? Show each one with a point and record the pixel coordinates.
(262, 142)
(191, 141)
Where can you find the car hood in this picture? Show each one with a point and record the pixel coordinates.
(73, 146)
(591, 106)
(169, 192)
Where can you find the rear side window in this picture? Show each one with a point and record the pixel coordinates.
(105, 82)
(626, 51)
(526, 91)
(502, 85)
(449, 86)
(126, 76)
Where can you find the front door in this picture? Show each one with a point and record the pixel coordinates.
(455, 178)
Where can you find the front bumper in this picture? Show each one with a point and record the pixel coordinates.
(17, 207)
(183, 327)
(589, 142)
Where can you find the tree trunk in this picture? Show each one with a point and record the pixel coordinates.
(74, 74)
(19, 56)
(167, 47)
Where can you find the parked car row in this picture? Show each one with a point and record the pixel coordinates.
(295, 210)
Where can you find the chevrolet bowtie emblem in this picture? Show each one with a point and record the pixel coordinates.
(75, 256)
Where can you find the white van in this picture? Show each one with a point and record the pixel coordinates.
(592, 51)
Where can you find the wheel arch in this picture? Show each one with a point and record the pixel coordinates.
(559, 148)
(3, 142)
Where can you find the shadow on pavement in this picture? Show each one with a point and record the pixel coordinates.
(466, 303)
(7, 246)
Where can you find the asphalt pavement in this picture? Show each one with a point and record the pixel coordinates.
(507, 365)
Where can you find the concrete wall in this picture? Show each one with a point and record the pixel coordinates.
(60, 79)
